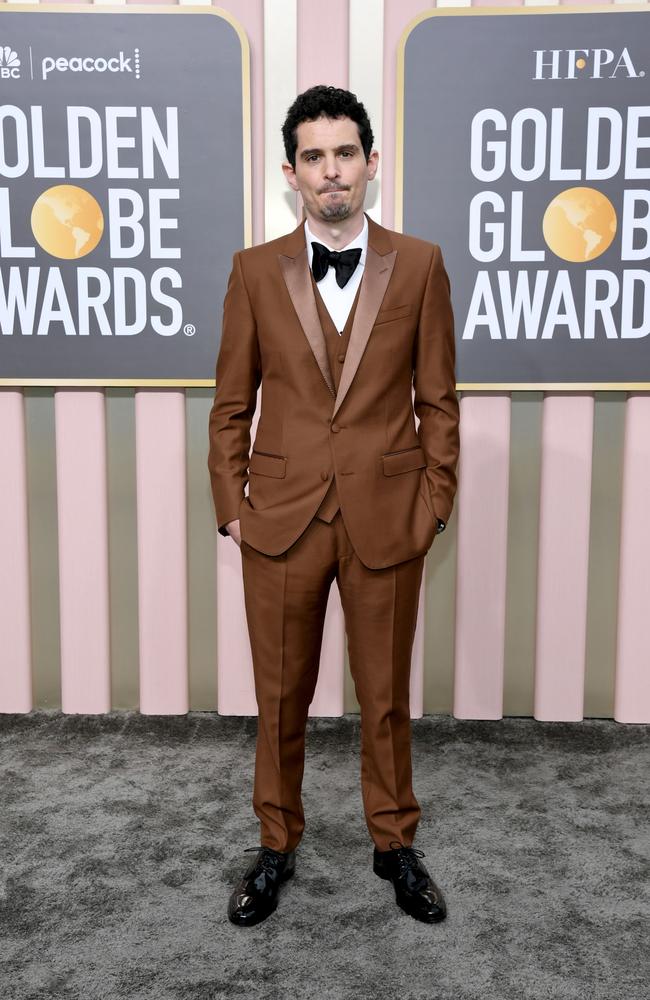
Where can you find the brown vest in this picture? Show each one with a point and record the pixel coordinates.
(337, 345)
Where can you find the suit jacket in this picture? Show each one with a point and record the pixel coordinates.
(392, 481)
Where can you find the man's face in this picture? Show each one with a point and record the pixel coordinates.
(331, 170)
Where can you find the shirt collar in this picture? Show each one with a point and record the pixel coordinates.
(359, 241)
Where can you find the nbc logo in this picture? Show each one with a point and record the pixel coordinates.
(9, 63)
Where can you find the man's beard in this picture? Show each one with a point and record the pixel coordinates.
(339, 211)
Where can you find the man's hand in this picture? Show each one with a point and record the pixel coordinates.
(233, 529)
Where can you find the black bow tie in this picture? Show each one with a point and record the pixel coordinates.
(343, 261)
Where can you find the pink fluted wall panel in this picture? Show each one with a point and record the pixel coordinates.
(482, 511)
(15, 619)
(565, 501)
(632, 692)
(162, 551)
(83, 550)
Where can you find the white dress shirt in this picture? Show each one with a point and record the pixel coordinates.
(339, 300)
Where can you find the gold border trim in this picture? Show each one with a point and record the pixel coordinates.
(99, 382)
(209, 384)
(399, 163)
(139, 8)
(553, 386)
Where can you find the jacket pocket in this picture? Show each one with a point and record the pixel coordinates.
(264, 464)
(396, 312)
(404, 460)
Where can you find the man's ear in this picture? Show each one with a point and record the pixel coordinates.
(290, 175)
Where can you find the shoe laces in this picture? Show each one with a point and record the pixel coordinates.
(268, 859)
(407, 857)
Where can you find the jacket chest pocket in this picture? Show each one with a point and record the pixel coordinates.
(395, 312)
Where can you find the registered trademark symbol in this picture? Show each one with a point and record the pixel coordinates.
(189, 329)
(642, 72)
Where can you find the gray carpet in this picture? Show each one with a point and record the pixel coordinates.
(122, 835)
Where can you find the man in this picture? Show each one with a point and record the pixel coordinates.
(338, 320)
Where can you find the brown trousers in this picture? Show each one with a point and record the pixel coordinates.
(286, 599)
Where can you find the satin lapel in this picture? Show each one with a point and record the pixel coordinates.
(296, 275)
(376, 276)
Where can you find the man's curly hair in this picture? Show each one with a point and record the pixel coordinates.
(332, 102)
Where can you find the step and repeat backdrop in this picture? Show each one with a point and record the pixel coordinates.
(525, 148)
(140, 147)
(125, 189)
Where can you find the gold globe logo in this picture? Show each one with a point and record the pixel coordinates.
(67, 222)
(579, 224)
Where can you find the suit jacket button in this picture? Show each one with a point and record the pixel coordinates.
(336, 428)
(324, 476)
(341, 357)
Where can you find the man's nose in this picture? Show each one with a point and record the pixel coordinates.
(331, 168)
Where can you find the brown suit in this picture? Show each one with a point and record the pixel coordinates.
(341, 486)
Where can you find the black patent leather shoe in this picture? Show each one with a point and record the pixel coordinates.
(255, 895)
(415, 891)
